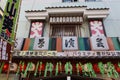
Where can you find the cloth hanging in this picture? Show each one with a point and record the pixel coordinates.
(59, 44)
(86, 44)
(110, 44)
(81, 43)
(53, 46)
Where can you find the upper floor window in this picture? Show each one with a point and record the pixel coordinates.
(93, 0)
(69, 0)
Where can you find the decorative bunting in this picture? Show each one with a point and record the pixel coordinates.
(36, 29)
(86, 43)
(116, 43)
(81, 43)
(59, 45)
(41, 43)
(70, 43)
(9, 20)
(99, 43)
(31, 44)
(26, 44)
(53, 46)
(110, 44)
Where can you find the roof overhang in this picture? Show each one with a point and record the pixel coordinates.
(39, 15)
(96, 13)
(74, 10)
(66, 10)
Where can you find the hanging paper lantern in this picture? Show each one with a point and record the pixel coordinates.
(117, 68)
(41, 67)
(13, 67)
(96, 68)
(32, 67)
(5, 67)
(23, 67)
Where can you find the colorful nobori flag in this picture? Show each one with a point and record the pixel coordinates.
(7, 28)
(96, 28)
(70, 43)
(99, 43)
(41, 43)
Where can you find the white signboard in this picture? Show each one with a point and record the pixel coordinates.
(70, 43)
(99, 43)
(41, 43)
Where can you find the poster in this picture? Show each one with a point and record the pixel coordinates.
(36, 29)
(96, 28)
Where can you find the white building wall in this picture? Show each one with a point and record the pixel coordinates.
(111, 23)
(3, 3)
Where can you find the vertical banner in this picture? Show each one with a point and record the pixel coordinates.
(26, 44)
(70, 43)
(53, 46)
(110, 44)
(99, 43)
(96, 28)
(36, 29)
(18, 43)
(86, 44)
(5, 50)
(81, 43)
(41, 43)
(9, 20)
(59, 44)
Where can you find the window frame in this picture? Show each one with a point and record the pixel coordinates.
(70, 1)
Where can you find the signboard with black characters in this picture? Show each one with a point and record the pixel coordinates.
(9, 20)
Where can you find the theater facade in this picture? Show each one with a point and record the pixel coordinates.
(64, 40)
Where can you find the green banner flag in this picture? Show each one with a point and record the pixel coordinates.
(9, 20)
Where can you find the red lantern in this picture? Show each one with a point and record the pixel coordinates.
(22, 67)
(80, 68)
(41, 68)
(96, 68)
(117, 68)
(5, 67)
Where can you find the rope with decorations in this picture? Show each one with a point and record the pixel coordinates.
(87, 69)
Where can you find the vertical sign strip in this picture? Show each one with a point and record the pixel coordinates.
(81, 43)
(59, 44)
(110, 44)
(9, 20)
(53, 46)
(116, 44)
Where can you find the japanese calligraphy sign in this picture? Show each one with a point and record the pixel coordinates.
(36, 29)
(9, 20)
(5, 50)
(99, 43)
(70, 43)
(96, 28)
(18, 43)
(41, 43)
